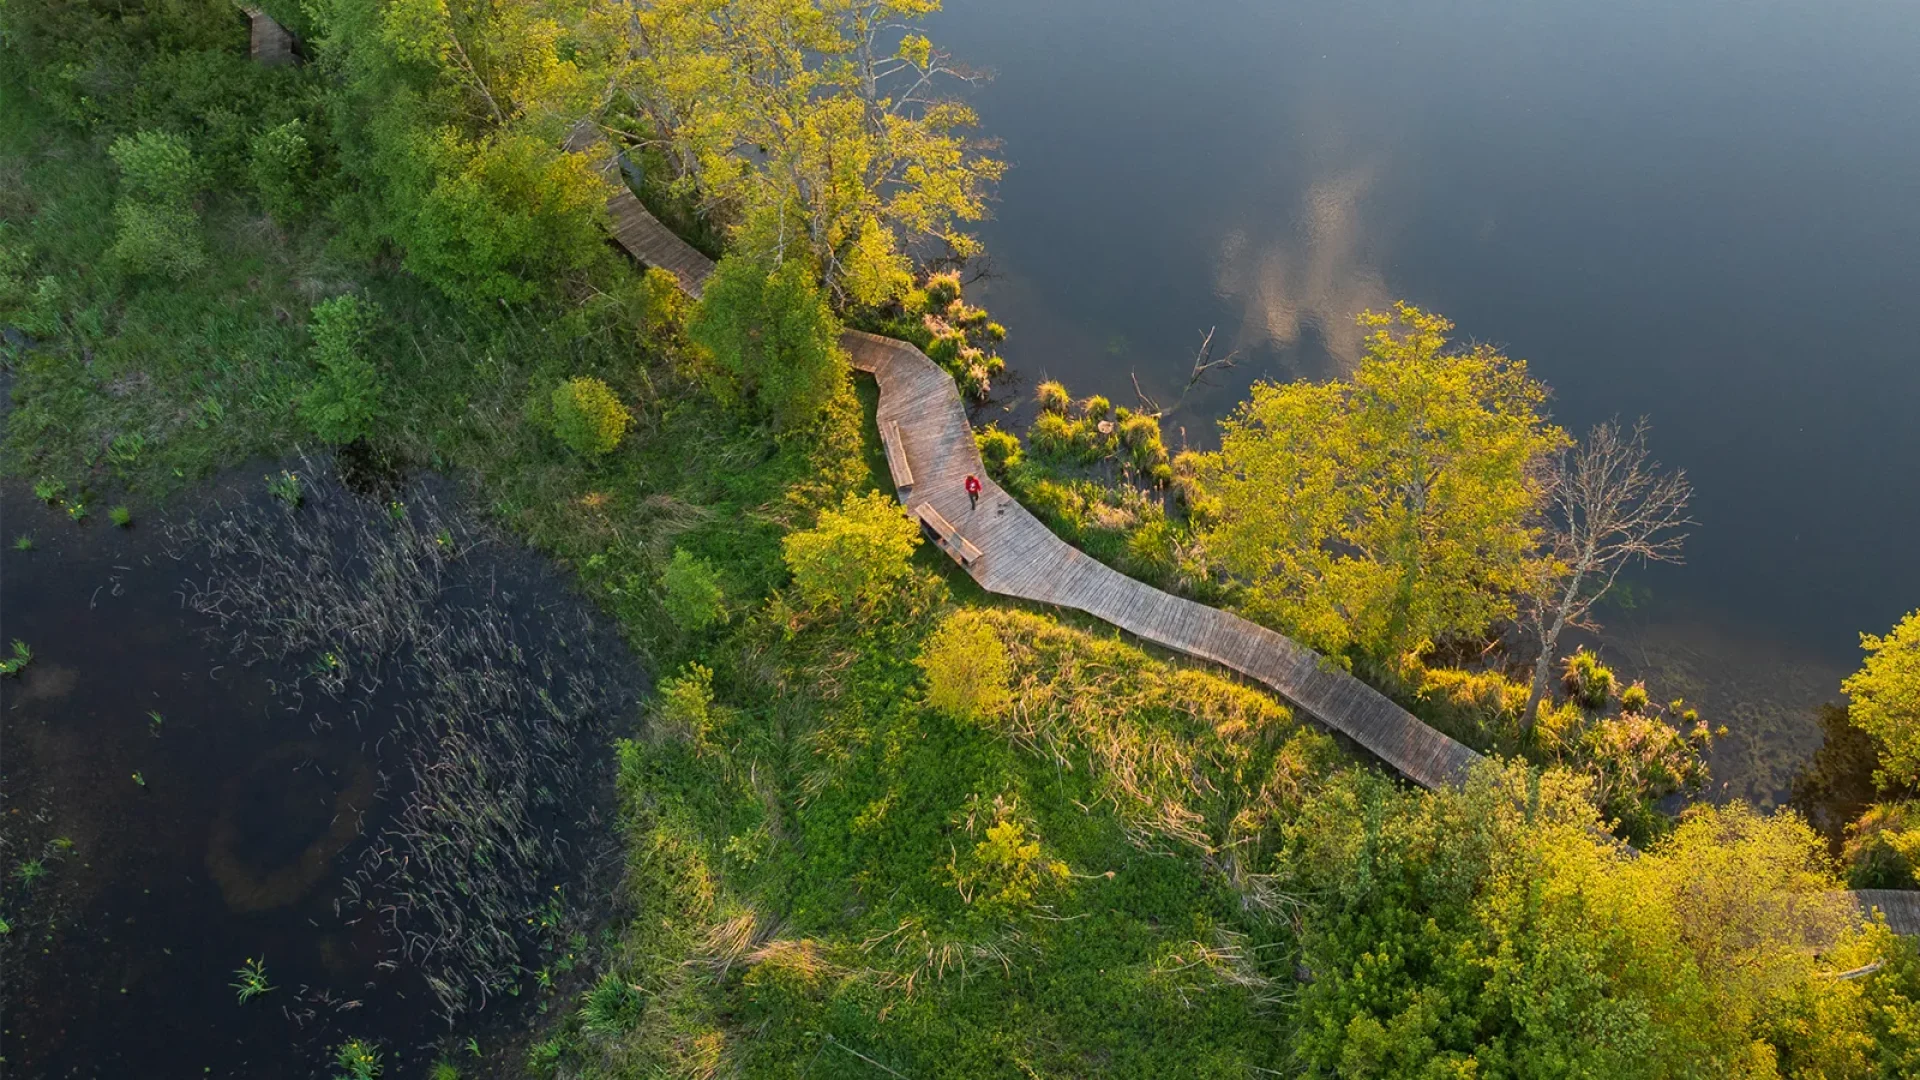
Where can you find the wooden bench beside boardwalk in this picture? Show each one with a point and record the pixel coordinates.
(1010, 552)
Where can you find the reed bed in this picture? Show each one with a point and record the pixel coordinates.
(484, 694)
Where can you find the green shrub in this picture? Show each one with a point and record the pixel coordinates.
(966, 668)
(774, 334)
(1096, 408)
(279, 166)
(157, 229)
(942, 289)
(588, 417)
(1052, 397)
(1587, 681)
(158, 238)
(120, 516)
(999, 449)
(693, 596)
(855, 555)
(685, 708)
(157, 167)
(1634, 698)
(344, 401)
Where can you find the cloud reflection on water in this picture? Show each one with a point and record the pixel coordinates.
(1312, 278)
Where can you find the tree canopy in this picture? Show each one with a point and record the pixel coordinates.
(820, 124)
(1392, 509)
(1885, 699)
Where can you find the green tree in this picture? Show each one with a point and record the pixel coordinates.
(1494, 931)
(452, 118)
(694, 599)
(966, 667)
(344, 401)
(855, 555)
(588, 416)
(157, 225)
(280, 165)
(774, 335)
(820, 123)
(1884, 700)
(1391, 510)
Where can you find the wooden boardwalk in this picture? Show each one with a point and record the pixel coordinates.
(1021, 557)
(271, 44)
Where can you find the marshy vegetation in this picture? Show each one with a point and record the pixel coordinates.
(478, 712)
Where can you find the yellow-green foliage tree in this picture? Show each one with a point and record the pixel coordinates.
(1494, 932)
(855, 555)
(966, 667)
(454, 117)
(1884, 698)
(820, 123)
(1390, 510)
(588, 416)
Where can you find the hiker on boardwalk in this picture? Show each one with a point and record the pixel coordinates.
(973, 492)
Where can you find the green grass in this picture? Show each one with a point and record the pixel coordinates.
(22, 656)
(121, 517)
(23, 542)
(250, 980)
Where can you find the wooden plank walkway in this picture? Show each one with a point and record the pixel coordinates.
(1023, 558)
(271, 44)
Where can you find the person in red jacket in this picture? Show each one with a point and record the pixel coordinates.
(973, 491)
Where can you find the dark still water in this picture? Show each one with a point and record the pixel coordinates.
(360, 741)
(1705, 212)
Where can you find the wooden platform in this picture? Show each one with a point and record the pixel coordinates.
(1014, 554)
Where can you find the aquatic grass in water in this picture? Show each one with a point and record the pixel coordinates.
(30, 871)
(286, 487)
(120, 516)
(250, 980)
(23, 542)
(22, 656)
(357, 1061)
(369, 598)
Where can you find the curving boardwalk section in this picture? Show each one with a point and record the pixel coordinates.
(1021, 557)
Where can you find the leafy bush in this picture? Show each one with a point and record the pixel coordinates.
(855, 555)
(685, 708)
(1587, 681)
(773, 333)
(158, 238)
(966, 668)
(157, 167)
(693, 596)
(344, 401)
(157, 228)
(279, 167)
(999, 449)
(1883, 847)
(588, 417)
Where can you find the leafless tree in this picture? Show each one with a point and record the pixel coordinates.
(1608, 505)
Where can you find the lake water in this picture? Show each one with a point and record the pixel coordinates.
(1704, 212)
(206, 772)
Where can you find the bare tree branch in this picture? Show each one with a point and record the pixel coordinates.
(1608, 505)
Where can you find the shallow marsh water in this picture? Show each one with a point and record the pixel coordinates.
(1699, 211)
(228, 828)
